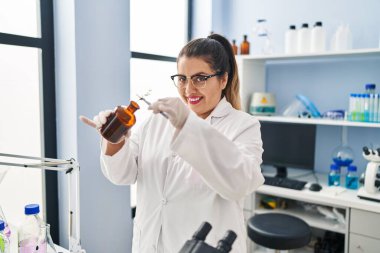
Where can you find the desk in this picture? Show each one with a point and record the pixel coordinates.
(362, 217)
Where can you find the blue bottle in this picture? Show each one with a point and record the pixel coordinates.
(352, 179)
(334, 175)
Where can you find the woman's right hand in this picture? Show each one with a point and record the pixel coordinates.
(97, 122)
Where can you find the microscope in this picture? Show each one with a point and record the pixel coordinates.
(197, 245)
(371, 191)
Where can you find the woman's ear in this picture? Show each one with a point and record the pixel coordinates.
(224, 80)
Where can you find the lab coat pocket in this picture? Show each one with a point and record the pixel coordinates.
(136, 237)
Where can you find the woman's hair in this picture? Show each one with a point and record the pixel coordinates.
(217, 52)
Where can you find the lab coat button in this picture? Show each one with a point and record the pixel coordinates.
(164, 201)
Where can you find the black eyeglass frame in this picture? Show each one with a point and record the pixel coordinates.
(206, 77)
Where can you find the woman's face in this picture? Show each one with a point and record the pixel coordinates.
(200, 100)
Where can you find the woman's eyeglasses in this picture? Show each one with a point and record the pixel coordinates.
(198, 81)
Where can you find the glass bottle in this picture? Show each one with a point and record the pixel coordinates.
(119, 122)
(32, 232)
(244, 46)
(4, 240)
(334, 175)
(352, 178)
(234, 47)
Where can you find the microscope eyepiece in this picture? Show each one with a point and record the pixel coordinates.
(202, 231)
(225, 244)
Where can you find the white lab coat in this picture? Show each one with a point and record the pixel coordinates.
(201, 173)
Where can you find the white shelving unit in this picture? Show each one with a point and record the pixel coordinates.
(252, 74)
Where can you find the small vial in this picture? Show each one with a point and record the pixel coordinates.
(370, 88)
(4, 240)
(352, 179)
(244, 46)
(334, 175)
(119, 122)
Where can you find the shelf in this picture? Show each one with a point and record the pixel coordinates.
(314, 220)
(372, 52)
(327, 122)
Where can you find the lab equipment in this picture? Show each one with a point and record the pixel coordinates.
(334, 175)
(197, 245)
(288, 145)
(352, 179)
(119, 122)
(32, 232)
(7, 230)
(291, 40)
(263, 103)
(303, 39)
(4, 240)
(342, 38)
(244, 45)
(334, 114)
(149, 103)
(318, 38)
(264, 42)
(301, 105)
(370, 88)
(315, 187)
(371, 191)
(343, 155)
(71, 169)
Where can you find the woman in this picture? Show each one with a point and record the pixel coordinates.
(198, 165)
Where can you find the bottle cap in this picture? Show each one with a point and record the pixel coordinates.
(261, 20)
(334, 167)
(318, 23)
(2, 225)
(352, 168)
(305, 25)
(370, 86)
(292, 27)
(32, 209)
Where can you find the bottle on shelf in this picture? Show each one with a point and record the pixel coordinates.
(234, 47)
(7, 230)
(303, 39)
(119, 122)
(32, 232)
(244, 46)
(291, 40)
(4, 240)
(352, 178)
(370, 88)
(318, 38)
(264, 42)
(334, 175)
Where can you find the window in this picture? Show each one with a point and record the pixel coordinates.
(157, 35)
(27, 106)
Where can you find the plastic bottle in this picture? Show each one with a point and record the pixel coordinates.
(334, 175)
(318, 38)
(7, 230)
(244, 46)
(119, 122)
(352, 178)
(264, 42)
(32, 232)
(303, 39)
(234, 47)
(291, 40)
(4, 240)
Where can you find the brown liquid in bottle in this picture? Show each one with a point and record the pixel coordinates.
(119, 122)
(234, 47)
(244, 46)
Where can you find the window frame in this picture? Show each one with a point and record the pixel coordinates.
(46, 44)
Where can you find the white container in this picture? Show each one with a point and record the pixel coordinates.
(32, 233)
(291, 40)
(303, 39)
(342, 39)
(318, 38)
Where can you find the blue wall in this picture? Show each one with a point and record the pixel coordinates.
(327, 84)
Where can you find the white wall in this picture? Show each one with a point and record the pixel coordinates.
(92, 74)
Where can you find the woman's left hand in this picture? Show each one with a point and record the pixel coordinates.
(174, 108)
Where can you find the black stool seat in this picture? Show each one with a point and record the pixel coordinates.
(278, 231)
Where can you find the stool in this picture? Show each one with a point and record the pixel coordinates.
(278, 231)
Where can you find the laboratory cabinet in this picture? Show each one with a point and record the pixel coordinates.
(362, 217)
